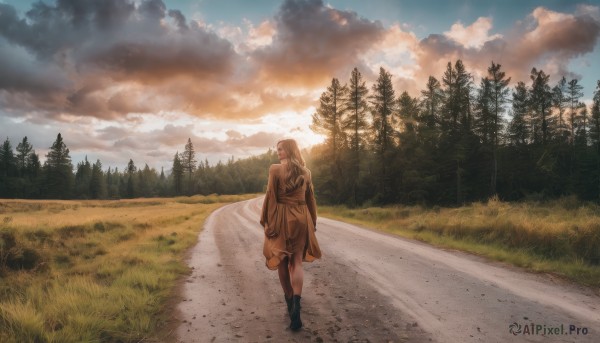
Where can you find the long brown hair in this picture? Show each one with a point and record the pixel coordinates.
(297, 173)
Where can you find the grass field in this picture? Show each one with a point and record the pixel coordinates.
(560, 237)
(73, 271)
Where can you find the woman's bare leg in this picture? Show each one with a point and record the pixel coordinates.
(297, 273)
(284, 277)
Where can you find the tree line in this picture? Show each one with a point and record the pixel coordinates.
(457, 142)
(23, 176)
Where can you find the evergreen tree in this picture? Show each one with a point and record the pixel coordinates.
(109, 183)
(428, 156)
(464, 86)
(24, 149)
(408, 111)
(483, 124)
(355, 125)
(34, 175)
(83, 176)
(499, 95)
(574, 93)
(58, 171)
(328, 121)
(540, 102)
(409, 188)
(431, 100)
(518, 131)
(188, 163)
(383, 107)
(98, 188)
(131, 185)
(8, 164)
(560, 102)
(162, 183)
(8, 170)
(177, 174)
(457, 140)
(33, 165)
(131, 168)
(457, 97)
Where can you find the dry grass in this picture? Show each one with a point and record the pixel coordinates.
(561, 237)
(93, 270)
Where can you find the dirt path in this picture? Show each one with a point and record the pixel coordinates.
(369, 287)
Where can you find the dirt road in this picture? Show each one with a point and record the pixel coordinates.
(371, 287)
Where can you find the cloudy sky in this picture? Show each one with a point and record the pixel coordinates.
(125, 79)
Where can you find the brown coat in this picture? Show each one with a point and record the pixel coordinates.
(290, 220)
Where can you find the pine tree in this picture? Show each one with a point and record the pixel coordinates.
(408, 110)
(518, 130)
(383, 107)
(34, 175)
(431, 100)
(456, 123)
(328, 121)
(499, 94)
(560, 102)
(8, 163)
(83, 176)
(582, 133)
(33, 165)
(574, 93)
(355, 125)
(58, 171)
(483, 124)
(131, 186)
(131, 168)
(463, 94)
(98, 188)
(405, 160)
(457, 97)
(24, 149)
(540, 102)
(188, 163)
(8, 170)
(177, 174)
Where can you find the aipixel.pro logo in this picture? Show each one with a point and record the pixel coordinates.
(546, 330)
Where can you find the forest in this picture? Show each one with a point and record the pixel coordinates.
(22, 175)
(456, 142)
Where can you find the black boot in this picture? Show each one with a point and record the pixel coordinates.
(296, 323)
(289, 301)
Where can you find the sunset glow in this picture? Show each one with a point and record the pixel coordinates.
(135, 79)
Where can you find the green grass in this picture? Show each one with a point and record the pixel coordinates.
(561, 237)
(73, 271)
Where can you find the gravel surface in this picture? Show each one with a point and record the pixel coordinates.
(370, 287)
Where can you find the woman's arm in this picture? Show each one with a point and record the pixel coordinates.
(269, 204)
(310, 200)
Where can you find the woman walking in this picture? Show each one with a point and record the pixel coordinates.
(289, 217)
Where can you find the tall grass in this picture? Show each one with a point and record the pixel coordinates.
(73, 271)
(560, 236)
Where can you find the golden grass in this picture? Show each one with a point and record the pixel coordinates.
(560, 237)
(105, 268)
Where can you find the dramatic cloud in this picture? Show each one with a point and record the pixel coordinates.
(106, 49)
(135, 78)
(313, 42)
(546, 40)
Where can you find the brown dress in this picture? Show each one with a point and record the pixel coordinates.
(292, 217)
